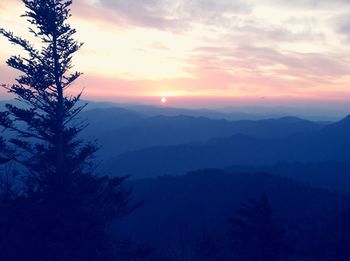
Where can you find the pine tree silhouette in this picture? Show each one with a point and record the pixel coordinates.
(341, 237)
(254, 235)
(49, 114)
(64, 211)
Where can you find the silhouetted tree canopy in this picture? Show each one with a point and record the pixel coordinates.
(48, 114)
(340, 243)
(64, 211)
(254, 234)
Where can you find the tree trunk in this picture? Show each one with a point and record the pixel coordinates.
(59, 115)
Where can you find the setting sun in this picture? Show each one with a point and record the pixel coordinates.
(163, 100)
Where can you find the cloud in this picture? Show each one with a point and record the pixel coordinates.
(342, 24)
(237, 71)
(208, 47)
(277, 34)
(170, 14)
(86, 11)
(266, 71)
(315, 4)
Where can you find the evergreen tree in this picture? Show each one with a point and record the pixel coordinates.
(64, 211)
(254, 234)
(48, 115)
(340, 240)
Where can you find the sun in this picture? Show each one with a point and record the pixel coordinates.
(163, 100)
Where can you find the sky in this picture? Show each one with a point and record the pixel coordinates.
(205, 53)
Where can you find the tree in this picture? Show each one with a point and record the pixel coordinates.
(8, 172)
(254, 234)
(340, 240)
(64, 210)
(49, 114)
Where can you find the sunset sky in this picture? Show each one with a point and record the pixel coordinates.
(205, 52)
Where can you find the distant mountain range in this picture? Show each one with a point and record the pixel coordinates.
(119, 130)
(233, 113)
(146, 141)
(327, 143)
(322, 113)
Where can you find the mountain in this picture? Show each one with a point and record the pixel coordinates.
(152, 111)
(234, 113)
(185, 207)
(119, 130)
(340, 128)
(102, 119)
(246, 112)
(333, 176)
(328, 144)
